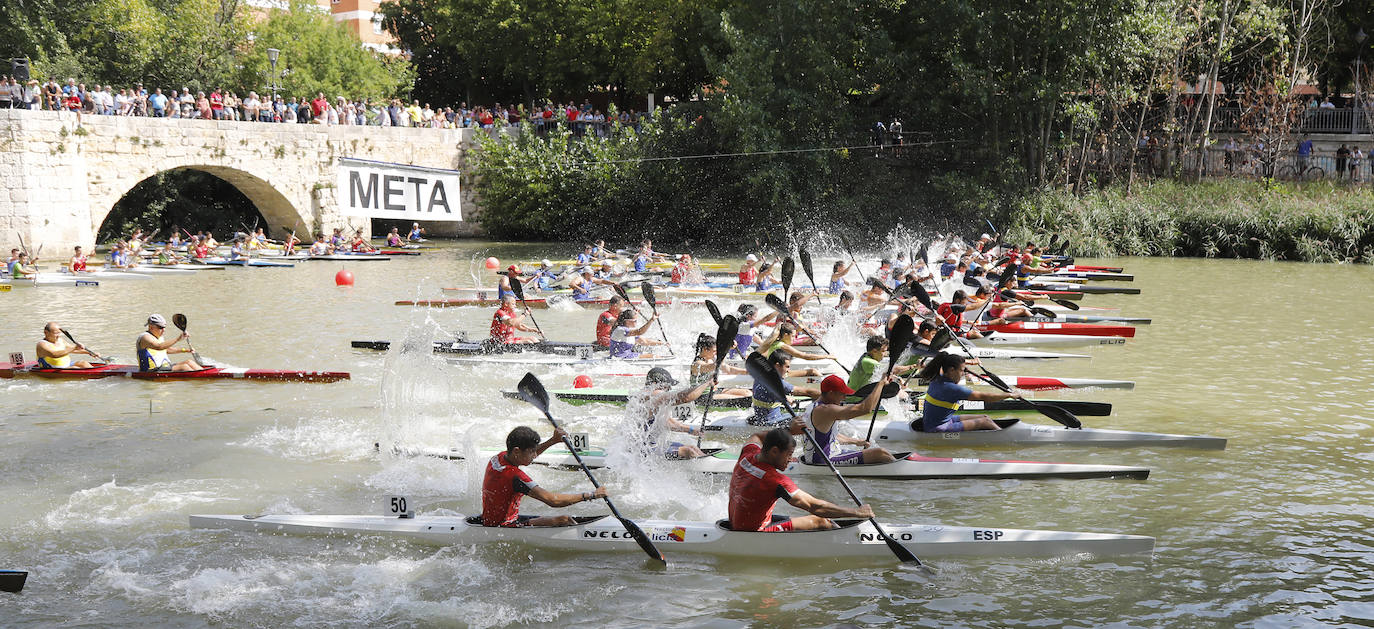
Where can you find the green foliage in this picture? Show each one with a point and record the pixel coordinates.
(1317, 222)
(322, 56)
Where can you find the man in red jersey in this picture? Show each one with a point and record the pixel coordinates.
(605, 322)
(505, 483)
(757, 484)
(506, 321)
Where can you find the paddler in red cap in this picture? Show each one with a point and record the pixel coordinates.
(820, 418)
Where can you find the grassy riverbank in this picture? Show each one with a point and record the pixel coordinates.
(1317, 222)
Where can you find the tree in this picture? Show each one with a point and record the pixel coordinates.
(321, 56)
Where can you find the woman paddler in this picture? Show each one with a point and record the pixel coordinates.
(940, 405)
(654, 405)
(625, 339)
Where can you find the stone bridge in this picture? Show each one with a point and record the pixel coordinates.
(61, 175)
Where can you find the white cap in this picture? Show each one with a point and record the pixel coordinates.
(545, 262)
(751, 258)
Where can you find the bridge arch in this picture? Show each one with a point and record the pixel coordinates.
(275, 207)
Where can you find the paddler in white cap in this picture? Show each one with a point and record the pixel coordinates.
(152, 349)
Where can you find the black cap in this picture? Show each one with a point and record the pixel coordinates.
(659, 376)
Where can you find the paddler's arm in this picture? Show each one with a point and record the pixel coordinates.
(690, 395)
(796, 353)
(563, 500)
(557, 437)
(850, 411)
(815, 506)
(644, 328)
(149, 342)
(990, 396)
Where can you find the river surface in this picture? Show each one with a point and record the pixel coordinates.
(98, 478)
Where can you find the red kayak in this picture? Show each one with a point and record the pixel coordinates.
(1082, 267)
(1083, 329)
(12, 370)
(398, 252)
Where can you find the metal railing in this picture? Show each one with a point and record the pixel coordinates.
(1314, 120)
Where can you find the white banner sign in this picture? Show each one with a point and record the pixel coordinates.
(398, 191)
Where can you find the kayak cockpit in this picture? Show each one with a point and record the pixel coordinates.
(578, 520)
(724, 525)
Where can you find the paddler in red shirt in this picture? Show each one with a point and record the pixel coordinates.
(953, 314)
(506, 321)
(758, 483)
(749, 274)
(78, 261)
(605, 322)
(505, 484)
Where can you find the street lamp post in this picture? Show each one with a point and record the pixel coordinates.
(272, 54)
(1358, 114)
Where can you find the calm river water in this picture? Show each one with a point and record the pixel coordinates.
(98, 478)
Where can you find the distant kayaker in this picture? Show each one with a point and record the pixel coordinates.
(837, 273)
(78, 262)
(504, 483)
(953, 314)
(152, 349)
(506, 321)
(21, 267)
(704, 364)
(748, 317)
(544, 277)
(782, 342)
(653, 406)
(758, 482)
(940, 406)
(54, 352)
(583, 283)
(417, 233)
(503, 281)
(393, 237)
(748, 274)
(586, 257)
(820, 418)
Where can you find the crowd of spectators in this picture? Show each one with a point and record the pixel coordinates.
(221, 104)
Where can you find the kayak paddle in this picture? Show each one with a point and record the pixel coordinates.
(851, 256)
(1049, 410)
(889, 391)
(74, 342)
(533, 391)
(902, 332)
(777, 305)
(789, 268)
(809, 271)
(715, 312)
(763, 372)
(179, 320)
(725, 339)
(519, 290)
(649, 296)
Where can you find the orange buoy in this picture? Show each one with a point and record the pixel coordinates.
(492, 263)
(583, 381)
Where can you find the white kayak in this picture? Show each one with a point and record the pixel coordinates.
(557, 360)
(908, 466)
(1019, 338)
(101, 276)
(854, 538)
(1013, 431)
(48, 279)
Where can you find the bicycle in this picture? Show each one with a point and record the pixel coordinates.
(1310, 173)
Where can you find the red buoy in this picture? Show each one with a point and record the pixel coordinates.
(492, 263)
(583, 381)
(343, 278)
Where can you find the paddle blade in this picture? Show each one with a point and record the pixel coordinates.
(620, 291)
(994, 231)
(806, 265)
(1044, 312)
(903, 291)
(516, 287)
(532, 390)
(922, 254)
(775, 303)
(890, 391)
(919, 292)
(941, 339)
(1065, 303)
(179, 320)
(903, 331)
(789, 268)
(715, 312)
(1059, 414)
(725, 337)
(69, 336)
(763, 372)
(649, 295)
(643, 540)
